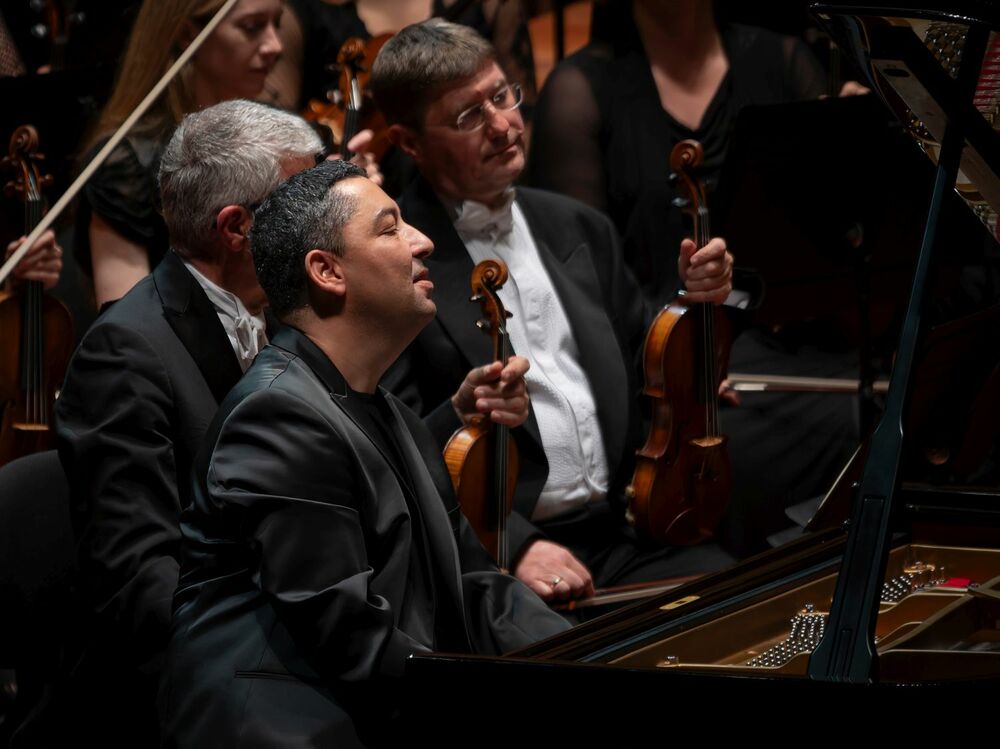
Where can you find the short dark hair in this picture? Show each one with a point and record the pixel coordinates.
(302, 214)
(419, 61)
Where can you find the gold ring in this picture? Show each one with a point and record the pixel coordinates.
(555, 581)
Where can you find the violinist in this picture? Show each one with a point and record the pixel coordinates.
(577, 314)
(142, 388)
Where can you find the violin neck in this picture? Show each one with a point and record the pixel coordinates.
(352, 119)
(707, 362)
(501, 437)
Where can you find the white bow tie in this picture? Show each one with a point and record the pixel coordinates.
(250, 337)
(479, 220)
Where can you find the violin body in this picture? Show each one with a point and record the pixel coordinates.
(469, 455)
(26, 405)
(36, 330)
(682, 480)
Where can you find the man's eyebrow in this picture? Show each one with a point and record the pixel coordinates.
(383, 212)
(500, 83)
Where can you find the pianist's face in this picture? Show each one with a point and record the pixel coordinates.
(478, 164)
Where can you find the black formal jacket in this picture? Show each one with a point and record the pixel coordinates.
(140, 393)
(580, 250)
(297, 603)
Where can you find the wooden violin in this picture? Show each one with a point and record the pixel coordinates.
(36, 330)
(682, 480)
(483, 460)
(352, 108)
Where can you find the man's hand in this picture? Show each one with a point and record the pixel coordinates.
(496, 392)
(365, 159)
(707, 273)
(43, 262)
(553, 572)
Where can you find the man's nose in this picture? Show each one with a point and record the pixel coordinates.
(420, 243)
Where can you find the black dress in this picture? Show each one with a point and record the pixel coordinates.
(124, 193)
(602, 136)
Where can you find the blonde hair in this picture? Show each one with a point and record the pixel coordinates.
(154, 45)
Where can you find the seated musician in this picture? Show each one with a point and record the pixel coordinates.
(323, 544)
(146, 380)
(578, 315)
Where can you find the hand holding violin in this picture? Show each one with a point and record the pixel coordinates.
(494, 391)
(42, 263)
(707, 273)
(364, 158)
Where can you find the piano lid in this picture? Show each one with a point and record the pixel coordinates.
(911, 57)
(927, 62)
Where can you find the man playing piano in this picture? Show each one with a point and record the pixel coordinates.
(323, 543)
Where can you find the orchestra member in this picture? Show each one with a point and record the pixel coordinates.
(145, 382)
(324, 544)
(121, 235)
(577, 313)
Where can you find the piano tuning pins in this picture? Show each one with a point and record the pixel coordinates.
(483, 324)
(476, 298)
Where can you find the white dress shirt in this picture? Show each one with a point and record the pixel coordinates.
(560, 393)
(247, 333)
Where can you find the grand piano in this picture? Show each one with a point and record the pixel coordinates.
(896, 583)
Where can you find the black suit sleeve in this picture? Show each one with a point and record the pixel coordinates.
(116, 444)
(290, 472)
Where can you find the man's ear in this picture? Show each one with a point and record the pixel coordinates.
(325, 273)
(405, 138)
(233, 225)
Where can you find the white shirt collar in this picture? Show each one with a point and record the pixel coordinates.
(246, 332)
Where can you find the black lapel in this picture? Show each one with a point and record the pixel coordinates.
(444, 549)
(576, 283)
(296, 342)
(451, 271)
(195, 322)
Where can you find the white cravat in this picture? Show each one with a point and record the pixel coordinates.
(247, 333)
(561, 397)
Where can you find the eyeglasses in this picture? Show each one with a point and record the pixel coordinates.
(503, 100)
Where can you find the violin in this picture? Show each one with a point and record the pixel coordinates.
(352, 108)
(36, 330)
(682, 481)
(482, 459)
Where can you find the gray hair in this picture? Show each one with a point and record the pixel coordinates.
(227, 154)
(421, 60)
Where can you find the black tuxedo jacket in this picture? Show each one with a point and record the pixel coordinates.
(580, 250)
(139, 395)
(298, 603)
